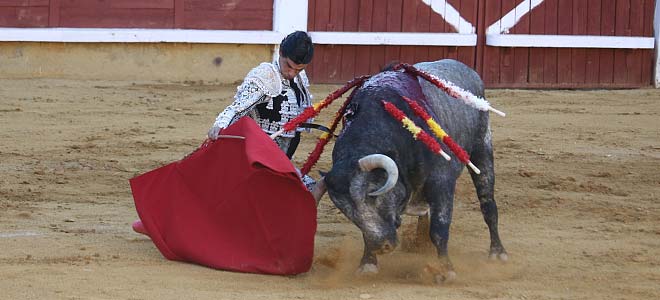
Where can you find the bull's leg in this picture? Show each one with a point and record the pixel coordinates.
(441, 196)
(485, 186)
(369, 262)
(318, 190)
(422, 233)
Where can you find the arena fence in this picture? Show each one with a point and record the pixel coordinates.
(511, 43)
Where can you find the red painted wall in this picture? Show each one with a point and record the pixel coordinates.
(572, 68)
(187, 14)
(499, 66)
(339, 63)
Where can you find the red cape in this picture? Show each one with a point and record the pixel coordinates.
(234, 204)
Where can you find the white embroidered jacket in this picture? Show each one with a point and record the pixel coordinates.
(267, 98)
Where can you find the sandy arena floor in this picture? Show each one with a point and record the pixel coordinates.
(578, 186)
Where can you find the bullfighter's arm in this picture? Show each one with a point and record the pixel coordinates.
(261, 84)
(248, 95)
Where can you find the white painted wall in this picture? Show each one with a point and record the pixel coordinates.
(569, 41)
(291, 15)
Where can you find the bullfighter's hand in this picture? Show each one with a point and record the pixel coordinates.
(214, 132)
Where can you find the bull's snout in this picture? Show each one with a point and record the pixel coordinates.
(385, 247)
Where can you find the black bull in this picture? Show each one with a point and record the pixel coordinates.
(365, 186)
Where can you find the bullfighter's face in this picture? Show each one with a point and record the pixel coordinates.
(289, 68)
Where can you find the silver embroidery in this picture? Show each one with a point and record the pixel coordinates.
(247, 96)
(260, 85)
(267, 77)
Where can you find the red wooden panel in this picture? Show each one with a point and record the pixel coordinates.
(649, 7)
(409, 15)
(521, 61)
(363, 53)
(13, 3)
(439, 24)
(333, 53)
(491, 63)
(54, 13)
(311, 10)
(607, 25)
(394, 24)
(507, 55)
(468, 9)
(310, 27)
(536, 55)
(579, 56)
(226, 5)
(407, 54)
(409, 24)
(622, 28)
(379, 24)
(550, 54)
(179, 14)
(24, 16)
(241, 15)
(593, 28)
(366, 15)
(83, 3)
(423, 20)
(322, 15)
(229, 20)
(321, 19)
(24, 3)
(394, 15)
(349, 52)
(336, 18)
(634, 60)
(564, 26)
(647, 57)
(116, 18)
(481, 37)
(141, 4)
(451, 52)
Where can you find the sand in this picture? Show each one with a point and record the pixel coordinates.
(578, 187)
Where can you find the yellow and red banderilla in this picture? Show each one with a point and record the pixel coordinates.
(425, 137)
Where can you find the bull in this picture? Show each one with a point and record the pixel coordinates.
(379, 171)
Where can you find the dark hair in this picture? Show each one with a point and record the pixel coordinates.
(298, 47)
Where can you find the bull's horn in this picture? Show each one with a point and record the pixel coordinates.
(374, 161)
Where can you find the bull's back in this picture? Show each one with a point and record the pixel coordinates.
(465, 124)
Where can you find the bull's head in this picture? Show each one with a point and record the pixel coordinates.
(369, 193)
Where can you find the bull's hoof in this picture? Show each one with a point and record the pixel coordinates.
(440, 274)
(417, 209)
(367, 269)
(449, 277)
(503, 257)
